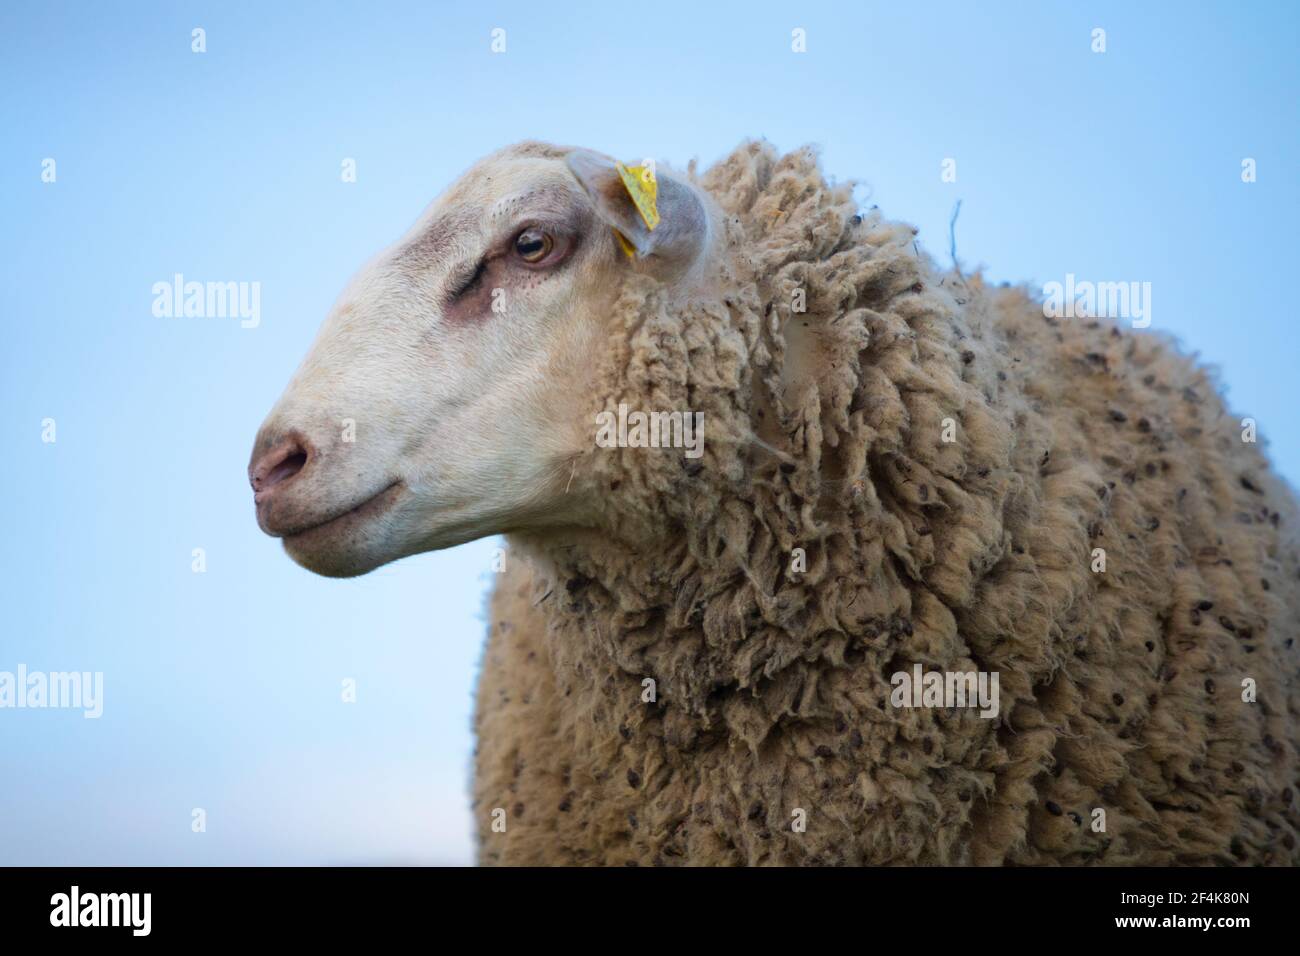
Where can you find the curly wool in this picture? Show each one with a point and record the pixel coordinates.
(1121, 691)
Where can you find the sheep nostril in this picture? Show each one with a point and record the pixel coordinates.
(277, 466)
(285, 470)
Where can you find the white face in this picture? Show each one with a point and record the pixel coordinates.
(442, 398)
(446, 395)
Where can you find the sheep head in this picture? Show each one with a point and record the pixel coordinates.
(447, 394)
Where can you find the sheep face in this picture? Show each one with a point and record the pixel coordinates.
(445, 397)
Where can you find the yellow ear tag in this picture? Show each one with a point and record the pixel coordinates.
(644, 189)
(640, 183)
(626, 246)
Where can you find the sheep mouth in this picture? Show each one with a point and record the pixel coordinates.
(348, 520)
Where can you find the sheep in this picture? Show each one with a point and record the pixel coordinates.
(905, 474)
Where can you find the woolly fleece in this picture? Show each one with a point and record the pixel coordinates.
(1120, 691)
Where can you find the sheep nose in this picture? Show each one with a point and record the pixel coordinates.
(278, 466)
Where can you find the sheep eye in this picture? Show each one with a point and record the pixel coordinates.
(532, 245)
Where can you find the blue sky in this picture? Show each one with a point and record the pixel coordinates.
(222, 689)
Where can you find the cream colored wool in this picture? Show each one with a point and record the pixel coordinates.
(1120, 691)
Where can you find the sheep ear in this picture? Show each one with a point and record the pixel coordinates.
(681, 234)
